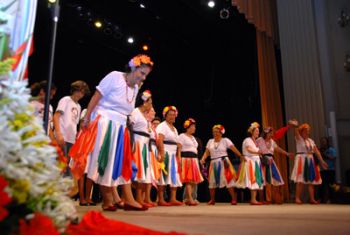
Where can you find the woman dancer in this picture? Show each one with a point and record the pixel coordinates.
(305, 170)
(250, 172)
(190, 173)
(170, 155)
(110, 162)
(268, 147)
(141, 130)
(221, 171)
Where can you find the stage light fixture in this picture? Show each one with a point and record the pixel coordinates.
(224, 14)
(211, 4)
(98, 24)
(145, 47)
(117, 33)
(130, 40)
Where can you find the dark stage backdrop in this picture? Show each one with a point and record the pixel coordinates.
(205, 66)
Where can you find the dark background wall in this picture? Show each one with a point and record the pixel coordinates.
(204, 65)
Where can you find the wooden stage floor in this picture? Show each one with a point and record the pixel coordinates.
(240, 219)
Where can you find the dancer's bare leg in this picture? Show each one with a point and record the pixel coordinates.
(82, 199)
(128, 197)
(161, 194)
(148, 193)
(298, 191)
(107, 197)
(88, 188)
(173, 195)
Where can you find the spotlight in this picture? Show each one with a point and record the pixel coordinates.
(142, 5)
(211, 4)
(224, 14)
(130, 40)
(98, 24)
(52, 1)
(145, 47)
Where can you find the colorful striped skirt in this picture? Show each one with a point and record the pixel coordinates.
(221, 173)
(271, 174)
(190, 170)
(250, 174)
(305, 170)
(142, 159)
(110, 162)
(170, 172)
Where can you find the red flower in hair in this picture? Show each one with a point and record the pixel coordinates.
(220, 127)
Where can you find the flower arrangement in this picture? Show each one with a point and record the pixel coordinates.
(140, 59)
(30, 174)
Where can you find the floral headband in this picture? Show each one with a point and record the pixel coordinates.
(304, 126)
(220, 127)
(168, 108)
(268, 129)
(189, 122)
(146, 95)
(253, 126)
(139, 60)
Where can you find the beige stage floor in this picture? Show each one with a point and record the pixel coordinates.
(241, 219)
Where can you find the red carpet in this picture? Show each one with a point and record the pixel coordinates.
(94, 223)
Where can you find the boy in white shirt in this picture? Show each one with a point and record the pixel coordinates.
(66, 117)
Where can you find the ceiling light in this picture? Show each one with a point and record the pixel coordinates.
(211, 4)
(142, 5)
(98, 24)
(130, 40)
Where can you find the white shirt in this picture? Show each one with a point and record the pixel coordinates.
(188, 144)
(219, 149)
(249, 143)
(139, 122)
(266, 148)
(305, 146)
(69, 118)
(169, 134)
(39, 109)
(116, 94)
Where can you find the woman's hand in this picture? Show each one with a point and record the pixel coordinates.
(324, 164)
(60, 139)
(86, 122)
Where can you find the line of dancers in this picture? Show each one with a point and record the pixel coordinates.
(120, 146)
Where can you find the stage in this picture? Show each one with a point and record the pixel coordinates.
(241, 219)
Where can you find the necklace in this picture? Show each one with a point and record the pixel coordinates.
(127, 95)
(216, 144)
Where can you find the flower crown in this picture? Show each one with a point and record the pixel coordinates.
(168, 108)
(139, 60)
(220, 127)
(268, 129)
(304, 126)
(189, 122)
(253, 126)
(146, 95)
